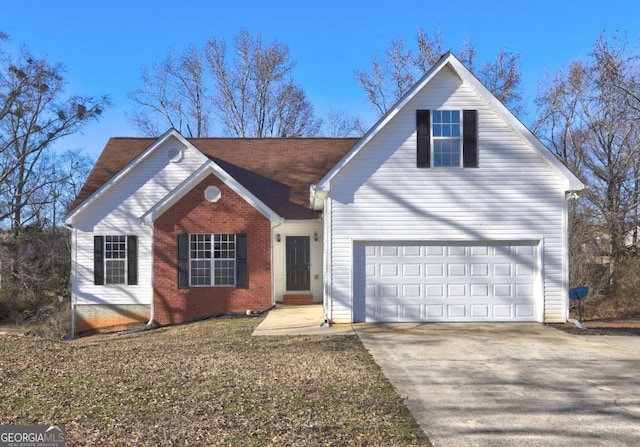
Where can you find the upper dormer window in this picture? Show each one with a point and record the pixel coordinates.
(447, 143)
(446, 138)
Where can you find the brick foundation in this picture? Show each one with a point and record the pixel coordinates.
(193, 214)
(297, 299)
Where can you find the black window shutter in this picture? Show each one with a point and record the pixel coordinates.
(423, 134)
(183, 261)
(470, 138)
(132, 260)
(242, 280)
(98, 260)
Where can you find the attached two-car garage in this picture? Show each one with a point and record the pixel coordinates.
(454, 281)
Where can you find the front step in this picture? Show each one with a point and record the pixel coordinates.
(297, 299)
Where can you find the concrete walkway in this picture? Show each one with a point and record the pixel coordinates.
(299, 320)
(512, 384)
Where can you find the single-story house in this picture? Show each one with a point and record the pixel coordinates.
(447, 209)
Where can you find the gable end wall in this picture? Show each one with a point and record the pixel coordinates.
(193, 214)
(382, 195)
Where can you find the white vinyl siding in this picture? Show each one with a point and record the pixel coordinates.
(117, 212)
(381, 196)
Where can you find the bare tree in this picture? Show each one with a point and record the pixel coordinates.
(586, 118)
(35, 183)
(391, 77)
(174, 93)
(339, 124)
(35, 114)
(249, 88)
(254, 93)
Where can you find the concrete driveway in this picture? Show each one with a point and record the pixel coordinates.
(512, 384)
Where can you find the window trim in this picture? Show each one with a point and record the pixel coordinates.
(130, 259)
(434, 138)
(123, 260)
(470, 137)
(213, 260)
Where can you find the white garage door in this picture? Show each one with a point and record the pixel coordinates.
(446, 282)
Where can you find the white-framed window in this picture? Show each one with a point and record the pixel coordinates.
(212, 259)
(115, 259)
(446, 134)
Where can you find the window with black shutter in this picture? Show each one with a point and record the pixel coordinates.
(423, 135)
(115, 259)
(447, 138)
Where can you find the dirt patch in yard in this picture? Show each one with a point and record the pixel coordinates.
(208, 383)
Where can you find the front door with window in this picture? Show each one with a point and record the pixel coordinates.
(298, 263)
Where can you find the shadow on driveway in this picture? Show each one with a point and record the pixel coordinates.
(512, 384)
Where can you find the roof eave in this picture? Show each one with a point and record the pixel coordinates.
(69, 219)
(324, 183)
(573, 183)
(208, 168)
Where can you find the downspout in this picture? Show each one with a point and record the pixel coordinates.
(151, 323)
(318, 200)
(326, 300)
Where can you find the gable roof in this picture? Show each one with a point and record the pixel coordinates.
(448, 59)
(209, 168)
(277, 171)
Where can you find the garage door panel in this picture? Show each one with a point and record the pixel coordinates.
(503, 311)
(481, 311)
(480, 269)
(389, 270)
(412, 312)
(458, 281)
(387, 250)
(456, 311)
(456, 290)
(524, 290)
(412, 291)
(387, 291)
(411, 270)
(457, 269)
(434, 290)
(480, 250)
(524, 311)
(524, 270)
(434, 270)
(479, 290)
(434, 311)
(501, 269)
(434, 250)
(411, 251)
(502, 290)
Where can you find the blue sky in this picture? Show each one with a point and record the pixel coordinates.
(104, 45)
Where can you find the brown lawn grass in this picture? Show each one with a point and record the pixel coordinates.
(207, 383)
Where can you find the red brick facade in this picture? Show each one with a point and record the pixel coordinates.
(194, 214)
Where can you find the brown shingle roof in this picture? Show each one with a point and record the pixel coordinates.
(276, 170)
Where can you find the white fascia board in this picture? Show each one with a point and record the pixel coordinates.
(208, 168)
(69, 218)
(572, 183)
